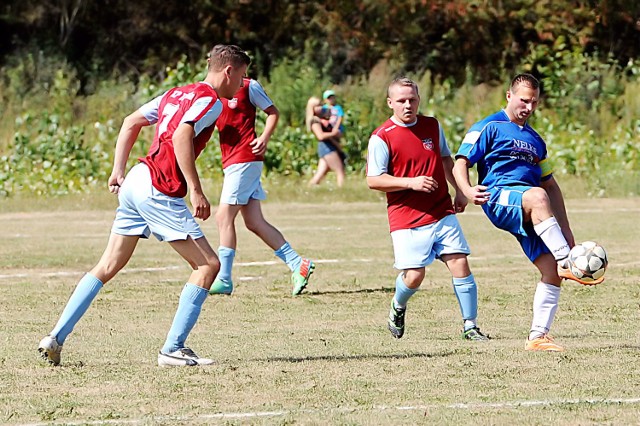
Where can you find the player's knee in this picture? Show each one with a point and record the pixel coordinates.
(106, 269)
(413, 278)
(210, 270)
(537, 197)
(255, 225)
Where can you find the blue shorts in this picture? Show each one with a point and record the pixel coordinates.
(504, 210)
(242, 183)
(326, 148)
(144, 210)
(419, 247)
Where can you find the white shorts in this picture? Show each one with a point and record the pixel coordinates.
(144, 210)
(419, 247)
(242, 183)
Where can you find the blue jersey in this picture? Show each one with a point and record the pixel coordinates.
(506, 154)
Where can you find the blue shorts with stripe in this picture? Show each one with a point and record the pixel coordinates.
(504, 210)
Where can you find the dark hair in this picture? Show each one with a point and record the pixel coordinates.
(227, 54)
(524, 79)
(402, 81)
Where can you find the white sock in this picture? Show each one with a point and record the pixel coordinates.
(545, 305)
(551, 235)
(469, 324)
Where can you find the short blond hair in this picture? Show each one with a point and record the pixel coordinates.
(402, 81)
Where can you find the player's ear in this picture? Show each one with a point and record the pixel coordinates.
(389, 103)
(227, 71)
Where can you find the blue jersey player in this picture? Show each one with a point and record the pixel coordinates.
(519, 194)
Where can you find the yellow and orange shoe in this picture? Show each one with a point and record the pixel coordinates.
(543, 343)
(565, 273)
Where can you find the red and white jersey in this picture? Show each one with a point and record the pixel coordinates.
(237, 123)
(408, 151)
(195, 103)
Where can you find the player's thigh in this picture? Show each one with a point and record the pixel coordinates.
(226, 214)
(198, 252)
(413, 248)
(252, 213)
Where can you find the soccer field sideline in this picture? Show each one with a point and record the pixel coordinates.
(382, 408)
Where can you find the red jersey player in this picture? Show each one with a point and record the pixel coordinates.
(409, 160)
(151, 202)
(242, 159)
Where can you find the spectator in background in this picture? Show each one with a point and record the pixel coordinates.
(330, 155)
(337, 113)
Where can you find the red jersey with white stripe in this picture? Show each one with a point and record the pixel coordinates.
(415, 151)
(195, 103)
(236, 124)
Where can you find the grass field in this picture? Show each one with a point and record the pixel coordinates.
(324, 357)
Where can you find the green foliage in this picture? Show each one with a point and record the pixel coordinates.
(63, 140)
(49, 158)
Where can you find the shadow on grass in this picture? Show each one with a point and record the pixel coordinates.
(364, 357)
(358, 291)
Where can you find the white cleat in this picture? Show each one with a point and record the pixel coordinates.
(182, 357)
(50, 349)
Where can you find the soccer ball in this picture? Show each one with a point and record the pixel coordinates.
(588, 261)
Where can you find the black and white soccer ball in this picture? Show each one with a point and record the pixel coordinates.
(588, 261)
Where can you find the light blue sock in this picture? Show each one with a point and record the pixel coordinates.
(226, 256)
(78, 303)
(467, 294)
(289, 256)
(189, 307)
(403, 293)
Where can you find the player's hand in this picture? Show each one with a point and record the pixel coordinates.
(201, 206)
(258, 146)
(460, 202)
(114, 182)
(423, 184)
(478, 195)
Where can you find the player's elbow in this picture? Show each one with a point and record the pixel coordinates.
(374, 183)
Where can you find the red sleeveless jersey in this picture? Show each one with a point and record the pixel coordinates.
(237, 128)
(187, 103)
(415, 151)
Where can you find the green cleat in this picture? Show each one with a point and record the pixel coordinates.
(300, 277)
(396, 321)
(221, 287)
(475, 335)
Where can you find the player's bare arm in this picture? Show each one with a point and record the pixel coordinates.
(259, 145)
(459, 200)
(316, 128)
(387, 183)
(477, 194)
(131, 126)
(185, 155)
(558, 207)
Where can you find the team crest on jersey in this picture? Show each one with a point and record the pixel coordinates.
(427, 144)
(233, 103)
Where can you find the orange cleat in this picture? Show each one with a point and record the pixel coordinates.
(543, 343)
(565, 273)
